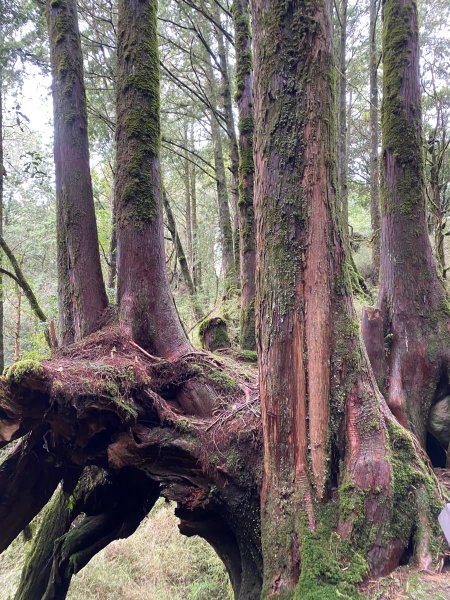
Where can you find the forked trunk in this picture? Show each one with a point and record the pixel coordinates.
(333, 453)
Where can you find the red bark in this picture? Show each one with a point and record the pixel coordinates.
(81, 290)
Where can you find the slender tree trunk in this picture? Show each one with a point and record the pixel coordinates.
(244, 78)
(343, 149)
(146, 305)
(412, 301)
(17, 328)
(187, 195)
(231, 131)
(226, 230)
(82, 295)
(181, 257)
(317, 390)
(112, 275)
(196, 262)
(374, 140)
(437, 209)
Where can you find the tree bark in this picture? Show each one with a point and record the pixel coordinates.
(82, 295)
(343, 149)
(226, 230)
(374, 140)
(317, 390)
(233, 150)
(146, 305)
(187, 195)
(197, 265)
(244, 96)
(181, 257)
(112, 275)
(412, 299)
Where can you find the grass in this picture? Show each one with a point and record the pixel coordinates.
(156, 563)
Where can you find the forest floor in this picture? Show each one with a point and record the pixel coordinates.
(409, 584)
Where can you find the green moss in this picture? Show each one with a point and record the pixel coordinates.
(250, 356)
(223, 380)
(219, 326)
(414, 491)
(401, 113)
(330, 566)
(18, 371)
(138, 112)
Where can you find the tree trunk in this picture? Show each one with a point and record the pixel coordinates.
(82, 295)
(17, 328)
(412, 299)
(374, 141)
(226, 230)
(231, 131)
(112, 275)
(146, 305)
(196, 262)
(317, 390)
(187, 194)
(171, 225)
(343, 149)
(244, 96)
(56, 519)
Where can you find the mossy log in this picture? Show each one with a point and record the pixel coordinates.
(213, 333)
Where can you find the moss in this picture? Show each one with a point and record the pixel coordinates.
(250, 356)
(223, 380)
(414, 491)
(401, 113)
(218, 326)
(24, 368)
(331, 568)
(139, 132)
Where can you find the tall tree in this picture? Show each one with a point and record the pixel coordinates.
(244, 97)
(410, 328)
(145, 300)
(343, 134)
(374, 138)
(317, 390)
(82, 295)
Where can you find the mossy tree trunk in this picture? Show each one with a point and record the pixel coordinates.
(343, 137)
(333, 453)
(374, 140)
(146, 305)
(412, 301)
(82, 295)
(197, 265)
(233, 150)
(188, 202)
(244, 97)
(225, 224)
